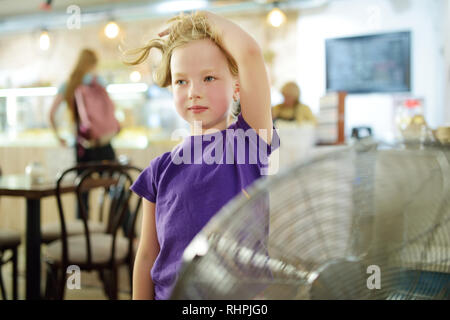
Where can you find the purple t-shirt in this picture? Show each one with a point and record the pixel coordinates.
(192, 183)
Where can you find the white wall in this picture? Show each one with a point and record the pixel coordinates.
(447, 63)
(425, 20)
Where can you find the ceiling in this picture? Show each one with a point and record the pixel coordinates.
(24, 16)
(11, 8)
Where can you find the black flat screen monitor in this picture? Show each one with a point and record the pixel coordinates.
(370, 63)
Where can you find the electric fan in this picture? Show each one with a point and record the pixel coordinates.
(365, 222)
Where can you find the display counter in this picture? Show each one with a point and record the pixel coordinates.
(15, 158)
(131, 137)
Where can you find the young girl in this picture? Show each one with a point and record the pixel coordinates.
(210, 63)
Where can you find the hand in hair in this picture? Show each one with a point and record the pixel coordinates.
(195, 15)
(254, 91)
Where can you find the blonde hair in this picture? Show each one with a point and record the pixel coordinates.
(291, 89)
(87, 59)
(183, 29)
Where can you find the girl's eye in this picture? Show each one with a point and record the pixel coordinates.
(180, 82)
(209, 78)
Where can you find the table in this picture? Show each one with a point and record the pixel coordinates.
(21, 186)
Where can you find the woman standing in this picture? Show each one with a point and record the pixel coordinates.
(86, 149)
(84, 73)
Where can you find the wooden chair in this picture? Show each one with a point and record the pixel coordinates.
(9, 241)
(103, 251)
(52, 231)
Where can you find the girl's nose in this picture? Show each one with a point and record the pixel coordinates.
(194, 91)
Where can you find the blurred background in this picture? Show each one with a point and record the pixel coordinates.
(378, 68)
(358, 63)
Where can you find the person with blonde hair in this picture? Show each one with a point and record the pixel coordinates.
(212, 65)
(292, 109)
(84, 73)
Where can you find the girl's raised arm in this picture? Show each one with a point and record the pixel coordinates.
(253, 79)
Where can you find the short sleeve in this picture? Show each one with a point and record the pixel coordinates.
(242, 124)
(89, 78)
(146, 183)
(101, 81)
(62, 89)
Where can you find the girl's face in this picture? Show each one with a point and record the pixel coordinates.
(202, 84)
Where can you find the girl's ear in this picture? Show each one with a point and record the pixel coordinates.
(236, 91)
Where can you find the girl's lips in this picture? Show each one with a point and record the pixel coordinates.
(197, 109)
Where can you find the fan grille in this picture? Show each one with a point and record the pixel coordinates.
(354, 224)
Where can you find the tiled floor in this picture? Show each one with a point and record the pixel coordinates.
(91, 286)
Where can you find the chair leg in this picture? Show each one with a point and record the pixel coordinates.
(113, 287)
(130, 275)
(104, 279)
(15, 272)
(55, 283)
(2, 285)
(109, 277)
(61, 285)
(50, 283)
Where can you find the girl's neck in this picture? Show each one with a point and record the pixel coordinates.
(197, 130)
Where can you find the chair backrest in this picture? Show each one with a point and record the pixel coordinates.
(113, 179)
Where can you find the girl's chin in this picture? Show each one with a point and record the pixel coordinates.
(199, 127)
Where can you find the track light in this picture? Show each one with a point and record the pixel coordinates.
(276, 17)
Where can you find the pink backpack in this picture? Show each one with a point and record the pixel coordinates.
(96, 112)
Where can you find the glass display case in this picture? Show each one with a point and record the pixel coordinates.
(146, 114)
(2, 114)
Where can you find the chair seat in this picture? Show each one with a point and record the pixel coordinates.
(100, 249)
(9, 239)
(52, 231)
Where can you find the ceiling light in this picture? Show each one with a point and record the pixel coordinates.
(44, 40)
(276, 17)
(111, 30)
(135, 76)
